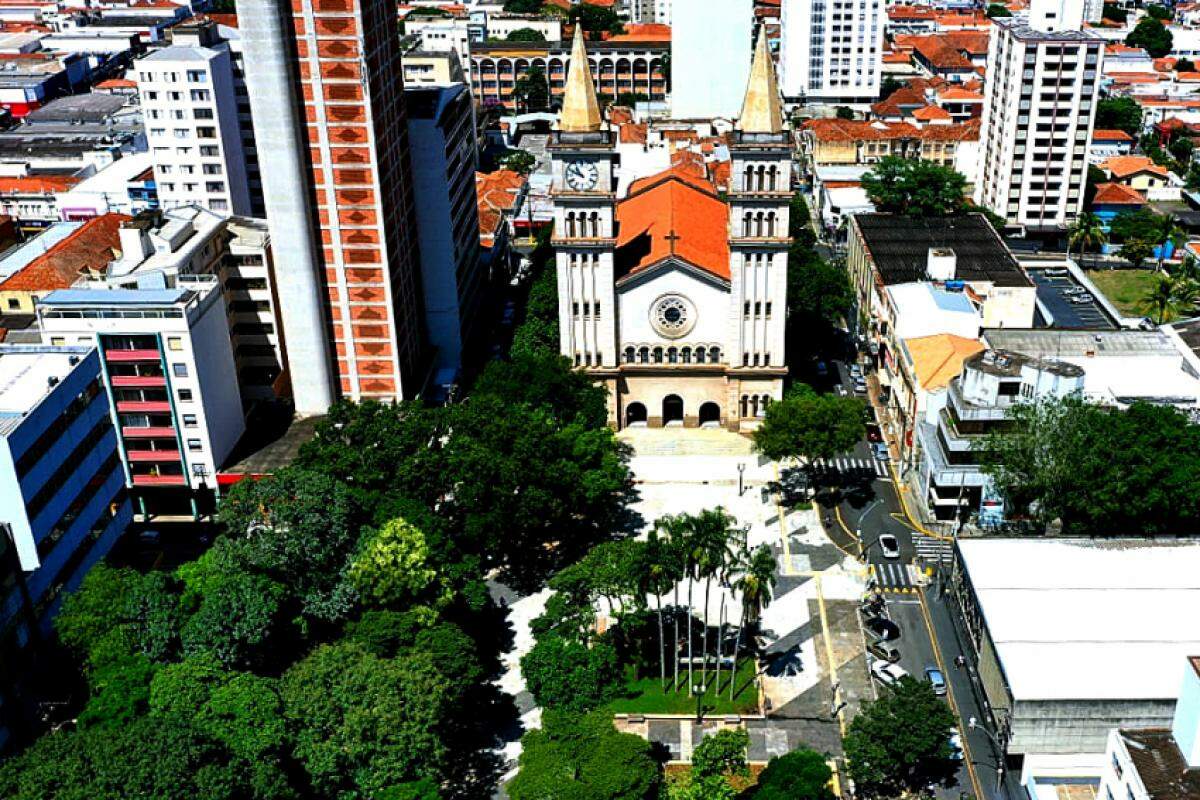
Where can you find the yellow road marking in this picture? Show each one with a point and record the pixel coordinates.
(937, 655)
(916, 526)
(837, 694)
(783, 534)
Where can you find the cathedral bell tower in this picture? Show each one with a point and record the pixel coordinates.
(582, 151)
(759, 198)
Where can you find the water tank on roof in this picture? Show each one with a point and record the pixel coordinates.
(941, 264)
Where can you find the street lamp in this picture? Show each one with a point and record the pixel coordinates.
(741, 472)
(974, 724)
(699, 690)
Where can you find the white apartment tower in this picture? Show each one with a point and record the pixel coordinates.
(1043, 78)
(711, 45)
(831, 50)
(658, 11)
(189, 103)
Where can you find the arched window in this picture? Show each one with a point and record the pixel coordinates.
(643, 355)
(747, 223)
(771, 223)
(714, 355)
(762, 171)
(699, 355)
(754, 360)
(687, 355)
(595, 223)
(754, 405)
(745, 404)
(658, 355)
(758, 225)
(748, 178)
(629, 351)
(762, 405)
(672, 355)
(774, 178)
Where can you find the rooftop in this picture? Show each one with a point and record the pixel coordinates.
(899, 247)
(85, 250)
(116, 297)
(1124, 166)
(1081, 619)
(1160, 765)
(938, 359)
(26, 376)
(90, 107)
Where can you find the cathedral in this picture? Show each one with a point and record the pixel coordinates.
(674, 297)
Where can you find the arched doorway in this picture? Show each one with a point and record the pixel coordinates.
(710, 414)
(635, 414)
(672, 409)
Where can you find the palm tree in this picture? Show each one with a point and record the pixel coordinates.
(1170, 297)
(713, 531)
(658, 575)
(1168, 230)
(1087, 232)
(675, 530)
(756, 582)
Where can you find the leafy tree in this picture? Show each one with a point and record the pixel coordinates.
(722, 754)
(1181, 149)
(1153, 36)
(1170, 298)
(1114, 12)
(523, 6)
(93, 610)
(1100, 471)
(888, 86)
(526, 35)
(799, 775)
(424, 789)
(544, 379)
(1119, 113)
(117, 613)
(915, 187)
(566, 674)
(1136, 251)
(844, 112)
(819, 293)
(1133, 224)
(809, 426)
(596, 20)
(531, 91)
(521, 161)
(690, 787)
(362, 723)
(1158, 12)
(237, 621)
(392, 566)
(120, 692)
(584, 758)
(1087, 233)
(995, 10)
(1185, 65)
(631, 99)
(754, 577)
(900, 743)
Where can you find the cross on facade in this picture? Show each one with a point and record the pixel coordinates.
(672, 237)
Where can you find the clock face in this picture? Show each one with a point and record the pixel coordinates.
(582, 175)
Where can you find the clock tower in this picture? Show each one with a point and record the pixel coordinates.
(582, 151)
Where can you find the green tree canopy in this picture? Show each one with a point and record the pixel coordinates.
(1158, 12)
(544, 379)
(521, 161)
(799, 775)
(584, 758)
(1136, 251)
(722, 755)
(570, 675)
(915, 187)
(808, 425)
(523, 6)
(531, 91)
(526, 35)
(1151, 35)
(392, 568)
(900, 743)
(238, 620)
(995, 10)
(1119, 113)
(1134, 224)
(1114, 12)
(596, 19)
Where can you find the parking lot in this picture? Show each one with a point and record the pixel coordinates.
(1065, 300)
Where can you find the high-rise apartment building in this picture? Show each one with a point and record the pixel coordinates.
(650, 11)
(327, 98)
(831, 50)
(192, 129)
(1043, 81)
(711, 45)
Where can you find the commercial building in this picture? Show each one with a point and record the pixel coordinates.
(439, 33)
(192, 127)
(1043, 81)
(709, 85)
(831, 50)
(327, 98)
(83, 253)
(62, 497)
(1073, 637)
(170, 376)
(126, 186)
(442, 135)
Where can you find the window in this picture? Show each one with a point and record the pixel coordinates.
(174, 343)
(14, 303)
(194, 445)
(200, 95)
(189, 420)
(180, 370)
(185, 395)
(203, 113)
(209, 151)
(197, 76)
(58, 341)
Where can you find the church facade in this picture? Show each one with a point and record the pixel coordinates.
(672, 296)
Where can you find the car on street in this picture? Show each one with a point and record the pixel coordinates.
(860, 387)
(874, 434)
(936, 679)
(884, 650)
(856, 371)
(868, 413)
(1080, 299)
(887, 673)
(956, 749)
(880, 451)
(889, 545)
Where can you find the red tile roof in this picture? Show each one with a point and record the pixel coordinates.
(496, 192)
(849, 130)
(647, 32)
(931, 114)
(1117, 194)
(1104, 135)
(1127, 166)
(673, 213)
(37, 184)
(88, 249)
(117, 83)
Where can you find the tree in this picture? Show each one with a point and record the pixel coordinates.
(799, 775)
(722, 755)
(754, 580)
(569, 675)
(809, 426)
(888, 86)
(1136, 251)
(1185, 65)
(237, 621)
(661, 571)
(521, 161)
(117, 613)
(915, 187)
(392, 569)
(1134, 224)
(538, 334)
(631, 99)
(689, 787)
(995, 10)
(362, 723)
(1101, 472)
(596, 20)
(1120, 113)
(1170, 298)
(900, 743)
(523, 6)
(1153, 36)
(1158, 12)
(120, 692)
(531, 91)
(584, 758)
(844, 112)
(525, 35)
(1115, 13)
(545, 380)
(1087, 233)
(819, 293)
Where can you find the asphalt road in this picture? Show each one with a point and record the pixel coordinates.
(930, 635)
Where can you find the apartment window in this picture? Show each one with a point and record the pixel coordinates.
(212, 169)
(174, 97)
(189, 420)
(200, 95)
(197, 76)
(185, 395)
(158, 131)
(152, 96)
(203, 113)
(58, 341)
(194, 445)
(215, 186)
(218, 205)
(209, 150)
(179, 370)
(206, 133)
(181, 133)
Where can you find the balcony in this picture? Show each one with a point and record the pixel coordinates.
(144, 407)
(159, 480)
(139, 381)
(125, 356)
(148, 432)
(153, 455)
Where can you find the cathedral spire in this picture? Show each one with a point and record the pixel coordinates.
(762, 111)
(580, 111)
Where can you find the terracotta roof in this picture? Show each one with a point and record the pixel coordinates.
(1166, 64)
(496, 192)
(89, 248)
(673, 212)
(1117, 194)
(1162, 768)
(633, 132)
(680, 136)
(959, 94)
(1187, 77)
(931, 113)
(719, 173)
(1105, 135)
(910, 12)
(37, 184)
(117, 83)
(644, 32)
(938, 359)
(849, 130)
(619, 115)
(892, 57)
(691, 162)
(1125, 166)
(226, 19)
(1116, 48)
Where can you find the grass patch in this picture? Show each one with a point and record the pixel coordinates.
(645, 695)
(1125, 288)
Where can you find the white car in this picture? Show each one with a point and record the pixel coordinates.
(956, 748)
(889, 546)
(886, 673)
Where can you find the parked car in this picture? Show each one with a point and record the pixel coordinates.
(935, 677)
(856, 371)
(889, 546)
(874, 434)
(860, 386)
(956, 749)
(868, 413)
(1080, 299)
(887, 673)
(881, 452)
(884, 650)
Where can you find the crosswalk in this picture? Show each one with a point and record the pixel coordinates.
(931, 550)
(849, 464)
(893, 577)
